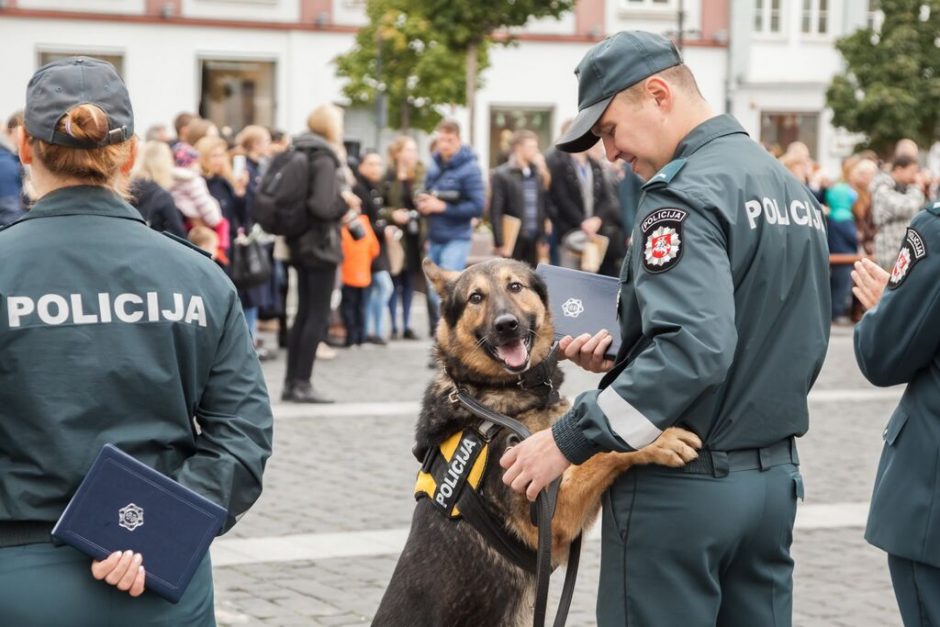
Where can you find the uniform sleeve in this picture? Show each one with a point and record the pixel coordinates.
(900, 335)
(235, 419)
(688, 318)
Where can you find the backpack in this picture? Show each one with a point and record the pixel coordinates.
(280, 203)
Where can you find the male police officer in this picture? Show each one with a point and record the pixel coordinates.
(898, 341)
(110, 332)
(724, 316)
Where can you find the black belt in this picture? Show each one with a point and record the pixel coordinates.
(18, 533)
(720, 463)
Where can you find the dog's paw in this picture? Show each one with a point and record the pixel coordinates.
(676, 447)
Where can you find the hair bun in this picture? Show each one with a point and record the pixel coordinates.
(86, 122)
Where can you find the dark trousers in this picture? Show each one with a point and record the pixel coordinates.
(698, 550)
(42, 585)
(354, 313)
(840, 284)
(915, 586)
(404, 283)
(526, 250)
(314, 288)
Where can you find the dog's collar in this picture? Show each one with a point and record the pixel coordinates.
(537, 379)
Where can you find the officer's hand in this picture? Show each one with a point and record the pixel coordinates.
(533, 464)
(588, 352)
(870, 281)
(124, 570)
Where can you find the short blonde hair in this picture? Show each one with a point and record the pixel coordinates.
(327, 121)
(155, 163)
(205, 147)
(251, 136)
(95, 166)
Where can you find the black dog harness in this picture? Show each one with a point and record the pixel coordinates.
(451, 476)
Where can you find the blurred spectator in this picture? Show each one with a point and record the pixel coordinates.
(316, 253)
(895, 199)
(581, 204)
(151, 179)
(189, 190)
(180, 124)
(518, 188)
(280, 141)
(11, 176)
(358, 255)
(843, 238)
(860, 176)
(367, 188)
(205, 238)
(404, 176)
(199, 128)
(629, 190)
(159, 133)
(907, 148)
(453, 174)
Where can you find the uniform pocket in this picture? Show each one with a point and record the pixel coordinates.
(895, 425)
(798, 490)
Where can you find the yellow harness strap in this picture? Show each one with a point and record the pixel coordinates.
(458, 463)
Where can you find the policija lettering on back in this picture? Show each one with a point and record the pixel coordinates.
(55, 309)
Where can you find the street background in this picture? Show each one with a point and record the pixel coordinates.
(321, 544)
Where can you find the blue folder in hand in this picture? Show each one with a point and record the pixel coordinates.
(582, 302)
(123, 504)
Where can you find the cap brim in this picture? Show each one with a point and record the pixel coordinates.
(579, 137)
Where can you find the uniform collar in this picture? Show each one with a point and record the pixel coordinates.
(83, 200)
(710, 129)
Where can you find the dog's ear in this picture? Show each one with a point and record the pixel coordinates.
(438, 277)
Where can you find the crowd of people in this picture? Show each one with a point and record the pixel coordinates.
(389, 211)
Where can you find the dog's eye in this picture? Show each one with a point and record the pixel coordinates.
(476, 298)
(515, 287)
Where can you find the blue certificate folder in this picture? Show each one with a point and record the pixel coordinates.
(123, 504)
(582, 302)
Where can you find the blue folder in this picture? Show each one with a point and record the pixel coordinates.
(123, 504)
(582, 302)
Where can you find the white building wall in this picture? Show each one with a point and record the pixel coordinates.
(262, 10)
(100, 6)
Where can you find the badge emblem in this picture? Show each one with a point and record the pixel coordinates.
(572, 308)
(130, 516)
(662, 235)
(913, 250)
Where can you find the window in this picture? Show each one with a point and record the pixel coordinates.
(647, 4)
(815, 17)
(768, 16)
(779, 130)
(237, 93)
(506, 120)
(116, 60)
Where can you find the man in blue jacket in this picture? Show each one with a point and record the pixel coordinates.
(11, 183)
(453, 197)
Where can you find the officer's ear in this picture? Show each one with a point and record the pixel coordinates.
(439, 278)
(660, 91)
(128, 165)
(23, 146)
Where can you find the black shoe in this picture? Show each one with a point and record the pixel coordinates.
(375, 339)
(303, 392)
(287, 391)
(393, 335)
(409, 335)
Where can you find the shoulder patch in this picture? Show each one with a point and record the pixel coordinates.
(662, 239)
(186, 242)
(666, 174)
(913, 249)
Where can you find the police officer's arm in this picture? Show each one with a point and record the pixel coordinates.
(688, 316)
(472, 195)
(234, 415)
(900, 335)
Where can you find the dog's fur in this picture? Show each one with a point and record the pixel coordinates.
(447, 574)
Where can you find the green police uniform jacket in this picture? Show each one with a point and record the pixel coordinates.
(112, 332)
(724, 305)
(898, 341)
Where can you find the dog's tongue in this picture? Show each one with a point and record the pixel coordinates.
(514, 354)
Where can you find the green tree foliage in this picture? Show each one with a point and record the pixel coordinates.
(891, 88)
(416, 70)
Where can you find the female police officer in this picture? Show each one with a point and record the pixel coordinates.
(109, 332)
(898, 341)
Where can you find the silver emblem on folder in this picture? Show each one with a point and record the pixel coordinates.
(572, 308)
(130, 516)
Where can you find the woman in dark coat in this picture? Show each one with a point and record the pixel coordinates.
(152, 176)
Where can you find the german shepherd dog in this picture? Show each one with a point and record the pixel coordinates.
(494, 325)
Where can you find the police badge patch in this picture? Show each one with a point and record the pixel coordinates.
(913, 249)
(662, 239)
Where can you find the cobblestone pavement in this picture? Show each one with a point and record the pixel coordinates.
(347, 469)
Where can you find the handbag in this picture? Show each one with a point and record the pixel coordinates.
(251, 264)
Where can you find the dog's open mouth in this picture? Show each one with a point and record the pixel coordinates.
(514, 354)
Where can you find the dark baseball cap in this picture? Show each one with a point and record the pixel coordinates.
(58, 87)
(608, 68)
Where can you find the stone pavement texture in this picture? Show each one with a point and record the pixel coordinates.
(348, 468)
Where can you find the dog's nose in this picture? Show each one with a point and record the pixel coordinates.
(506, 323)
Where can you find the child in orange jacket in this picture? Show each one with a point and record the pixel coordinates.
(356, 273)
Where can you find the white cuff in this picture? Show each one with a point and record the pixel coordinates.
(626, 421)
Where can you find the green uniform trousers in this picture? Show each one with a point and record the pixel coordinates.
(42, 585)
(699, 550)
(915, 586)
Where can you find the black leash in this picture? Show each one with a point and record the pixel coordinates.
(542, 512)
